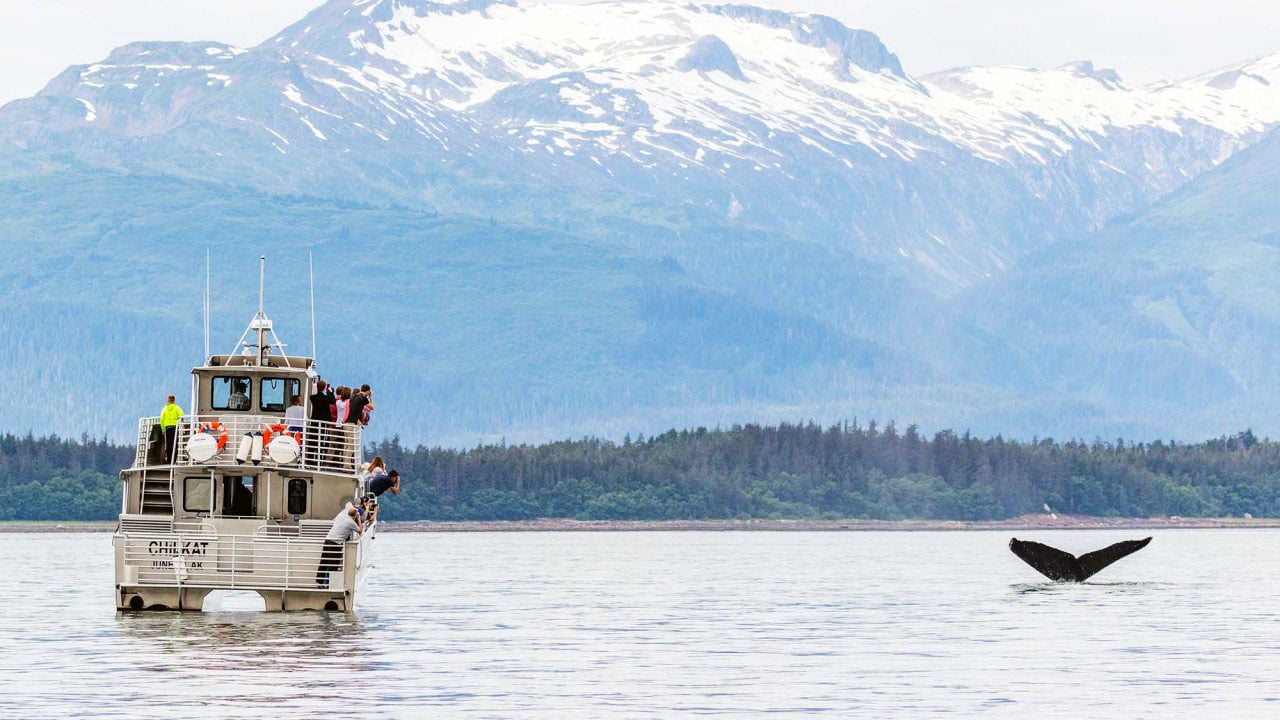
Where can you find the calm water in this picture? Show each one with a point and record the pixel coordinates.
(673, 625)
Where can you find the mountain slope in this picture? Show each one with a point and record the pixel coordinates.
(659, 112)
(1178, 305)
(545, 219)
(475, 329)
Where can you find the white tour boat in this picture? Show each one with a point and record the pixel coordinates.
(247, 497)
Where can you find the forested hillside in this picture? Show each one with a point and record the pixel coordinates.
(57, 479)
(787, 471)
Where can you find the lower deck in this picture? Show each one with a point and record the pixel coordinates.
(176, 567)
(191, 525)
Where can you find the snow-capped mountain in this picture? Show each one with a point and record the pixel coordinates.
(613, 217)
(790, 123)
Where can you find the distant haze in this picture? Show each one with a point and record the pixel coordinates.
(1143, 39)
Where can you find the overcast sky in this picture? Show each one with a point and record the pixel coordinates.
(1143, 39)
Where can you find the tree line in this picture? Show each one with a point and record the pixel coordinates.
(750, 471)
(53, 478)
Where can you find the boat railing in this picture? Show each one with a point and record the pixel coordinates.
(252, 562)
(306, 528)
(325, 446)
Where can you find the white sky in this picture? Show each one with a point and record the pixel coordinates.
(1144, 39)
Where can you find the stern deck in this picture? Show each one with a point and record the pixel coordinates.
(166, 556)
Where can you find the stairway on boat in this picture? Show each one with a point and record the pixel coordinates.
(157, 493)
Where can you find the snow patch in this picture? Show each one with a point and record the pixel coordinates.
(314, 130)
(90, 114)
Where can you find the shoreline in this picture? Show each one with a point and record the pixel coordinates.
(1025, 522)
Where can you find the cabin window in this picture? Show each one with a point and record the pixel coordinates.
(231, 393)
(238, 496)
(277, 393)
(297, 496)
(195, 494)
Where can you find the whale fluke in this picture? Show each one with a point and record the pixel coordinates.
(1058, 565)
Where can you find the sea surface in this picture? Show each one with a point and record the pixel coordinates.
(672, 625)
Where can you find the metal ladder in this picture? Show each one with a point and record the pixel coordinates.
(157, 493)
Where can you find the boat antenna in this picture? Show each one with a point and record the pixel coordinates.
(311, 269)
(261, 325)
(207, 299)
(262, 283)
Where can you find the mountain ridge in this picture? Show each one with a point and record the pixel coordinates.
(611, 108)
(595, 219)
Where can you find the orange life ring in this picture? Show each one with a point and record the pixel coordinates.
(276, 429)
(216, 428)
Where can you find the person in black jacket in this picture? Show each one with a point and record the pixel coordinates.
(382, 483)
(323, 409)
(361, 400)
(322, 403)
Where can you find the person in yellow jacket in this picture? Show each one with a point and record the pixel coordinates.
(169, 424)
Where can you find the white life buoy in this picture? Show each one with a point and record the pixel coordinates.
(284, 449)
(202, 448)
(283, 446)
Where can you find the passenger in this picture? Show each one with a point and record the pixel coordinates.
(239, 399)
(368, 394)
(321, 409)
(383, 483)
(322, 403)
(333, 404)
(296, 415)
(345, 526)
(368, 510)
(375, 468)
(356, 407)
(169, 417)
(344, 397)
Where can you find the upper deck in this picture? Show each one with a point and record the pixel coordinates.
(239, 412)
(326, 447)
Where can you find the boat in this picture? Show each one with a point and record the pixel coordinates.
(240, 498)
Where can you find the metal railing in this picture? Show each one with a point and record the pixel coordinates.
(326, 446)
(249, 562)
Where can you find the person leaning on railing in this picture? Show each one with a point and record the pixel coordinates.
(345, 527)
(375, 468)
(382, 483)
(368, 511)
(169, 417)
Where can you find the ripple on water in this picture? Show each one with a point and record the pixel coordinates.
(673, 624)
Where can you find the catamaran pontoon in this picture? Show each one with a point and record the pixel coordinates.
(247, 497)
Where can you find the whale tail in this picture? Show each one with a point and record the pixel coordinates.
(1059, 565)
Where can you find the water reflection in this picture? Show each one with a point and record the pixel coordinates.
(1065, 587)
(249, 641)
